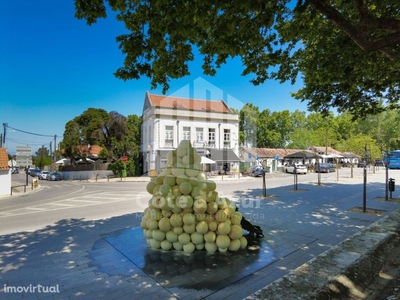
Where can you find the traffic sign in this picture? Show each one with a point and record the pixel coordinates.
(124, 158)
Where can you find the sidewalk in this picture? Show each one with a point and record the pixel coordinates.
(310, 236)
(148, 178)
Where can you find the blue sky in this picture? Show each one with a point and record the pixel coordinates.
(53, 67)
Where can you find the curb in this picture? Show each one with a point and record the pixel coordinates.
(310, 278)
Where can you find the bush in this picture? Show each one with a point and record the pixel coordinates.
(131, 166)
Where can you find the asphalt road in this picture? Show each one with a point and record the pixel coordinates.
(58, 200)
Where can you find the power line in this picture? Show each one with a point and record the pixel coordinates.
(37, 134)
(25, 142)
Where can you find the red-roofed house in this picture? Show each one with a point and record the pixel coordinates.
(5, 174)
(211, 126)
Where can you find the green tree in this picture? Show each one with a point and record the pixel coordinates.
(42, 158)
(301, 137)
(347, 52)
(71, 140)
(274, 129)
(94, 127)
(248, 122)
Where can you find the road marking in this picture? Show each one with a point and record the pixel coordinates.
(73, 202)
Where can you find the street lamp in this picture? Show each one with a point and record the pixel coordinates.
(386, 160)
(366, 159)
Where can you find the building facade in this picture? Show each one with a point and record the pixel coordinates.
(211, 127)
(5, 174)
(24, 156)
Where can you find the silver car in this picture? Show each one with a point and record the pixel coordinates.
(53, 176)
(296, 168)
(43, 175)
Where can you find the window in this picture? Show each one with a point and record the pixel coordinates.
(211, 137)
(169, 136)
(186, 133)
(199, 135)
(227, 138)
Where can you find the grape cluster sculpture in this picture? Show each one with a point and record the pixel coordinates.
(185, 212)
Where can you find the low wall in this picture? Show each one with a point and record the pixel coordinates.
(85, 175)
(5, 182)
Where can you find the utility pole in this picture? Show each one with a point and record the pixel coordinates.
(4, 135)
(55, 143)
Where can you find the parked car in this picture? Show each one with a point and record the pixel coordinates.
(325, 168)
(298, 168)
(362, 164)
(54, 176)
(15, 171)
(259, 171)
(379, 163)
(35, 172)
(44, 174)
(346, 165)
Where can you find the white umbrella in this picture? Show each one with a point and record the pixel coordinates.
(206, 160)
(62, 161)
(87, 160)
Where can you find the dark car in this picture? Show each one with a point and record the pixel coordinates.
(54, 176)
(379, 163)
(325, 168)
(15, 171)
(35, 172)
(362, 164)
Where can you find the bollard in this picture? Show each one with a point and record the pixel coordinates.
(264, 185)
(391, 186)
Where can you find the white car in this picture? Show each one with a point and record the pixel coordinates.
(300, 169)
(44, 174)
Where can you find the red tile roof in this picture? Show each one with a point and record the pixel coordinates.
(321, 150)
(270, 152)
(94, 150)
(3, 159)
(189, 104)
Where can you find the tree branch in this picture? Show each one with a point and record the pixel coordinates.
(355, 33)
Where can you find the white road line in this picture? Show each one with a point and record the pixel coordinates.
(61, 207)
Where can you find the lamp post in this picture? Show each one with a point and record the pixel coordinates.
(365, 179)
(386, 159)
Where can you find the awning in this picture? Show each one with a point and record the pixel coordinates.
(205, 160)
(331, 155)
(226, 155)
(303, 154)
(63, 161)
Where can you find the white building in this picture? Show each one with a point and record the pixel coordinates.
(24, 156)
(211, 126)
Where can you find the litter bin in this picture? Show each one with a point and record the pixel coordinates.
(391, 184)
(124, 173)
(153, 173)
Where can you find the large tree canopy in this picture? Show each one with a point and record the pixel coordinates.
(117, 134)
(346, 51)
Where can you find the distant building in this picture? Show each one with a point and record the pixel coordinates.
(211, 126)
(24, 156)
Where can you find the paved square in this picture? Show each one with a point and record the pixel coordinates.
(190, 275)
